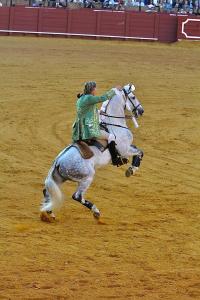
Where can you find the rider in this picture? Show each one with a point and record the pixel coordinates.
(86, 125)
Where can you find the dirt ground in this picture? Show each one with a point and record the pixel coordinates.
(149, 246)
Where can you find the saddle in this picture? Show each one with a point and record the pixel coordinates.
(85, 150)
(87, 153)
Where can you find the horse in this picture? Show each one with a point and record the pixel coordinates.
(69, 165)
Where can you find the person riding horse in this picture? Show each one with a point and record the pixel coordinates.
(86, 126)
(71, 164)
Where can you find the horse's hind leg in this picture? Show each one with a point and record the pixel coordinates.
(51, 186)
(79, 196)
(46, 215)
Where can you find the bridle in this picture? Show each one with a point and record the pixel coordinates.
(126, 97)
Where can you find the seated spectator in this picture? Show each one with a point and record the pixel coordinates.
(129, 3)
(79, 2)
(151, 6)
(112, 4)
(174, 3)
(37, 3)
(89, 4)
(120, 5)
(155, 2)
(196, 7)
(180, 5)
(102, 3)
(167, 6)
(138, 3)
(191, 7)
(61, 3)
(186, 6)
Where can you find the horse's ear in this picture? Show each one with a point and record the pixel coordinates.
(132, 87)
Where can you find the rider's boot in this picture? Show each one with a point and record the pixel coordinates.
(116, 158)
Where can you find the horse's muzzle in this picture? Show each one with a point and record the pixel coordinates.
(139, 111)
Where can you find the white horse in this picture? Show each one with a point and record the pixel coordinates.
(70, 165)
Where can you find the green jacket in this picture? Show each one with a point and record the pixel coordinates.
(86, 125)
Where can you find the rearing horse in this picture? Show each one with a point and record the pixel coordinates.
(69, 165)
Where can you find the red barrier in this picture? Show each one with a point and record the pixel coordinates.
(81, 21)
(141, 25)
(98, 23)
(4, 18)
(22, 18)
(110, 22)
(188, 28)
(167, 28)
(52, 20)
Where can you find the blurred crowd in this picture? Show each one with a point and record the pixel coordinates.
(169, 6)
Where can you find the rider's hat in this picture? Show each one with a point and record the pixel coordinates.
(89, 86)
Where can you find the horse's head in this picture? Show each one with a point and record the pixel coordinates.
(132, 103)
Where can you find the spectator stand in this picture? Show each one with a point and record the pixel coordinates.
(149, 6)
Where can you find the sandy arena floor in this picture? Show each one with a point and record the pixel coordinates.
(149, 247)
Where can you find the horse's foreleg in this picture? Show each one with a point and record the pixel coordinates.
(79, 196)
(136, 160)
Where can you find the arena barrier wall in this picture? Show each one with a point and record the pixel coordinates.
(96, 23)
(188, 28)
(4, 18)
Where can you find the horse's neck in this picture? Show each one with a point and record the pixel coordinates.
(115, 108)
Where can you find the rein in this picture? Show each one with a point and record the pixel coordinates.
(116, 125)
(115, 117)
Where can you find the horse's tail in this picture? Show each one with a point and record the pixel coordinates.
(54, 194)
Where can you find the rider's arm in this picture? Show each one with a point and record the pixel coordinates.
(90, 99)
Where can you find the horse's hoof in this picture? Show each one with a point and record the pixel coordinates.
(96, 212)
(96, 215)
(47, 217)
(129, 172)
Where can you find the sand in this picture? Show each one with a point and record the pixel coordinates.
(149, 245)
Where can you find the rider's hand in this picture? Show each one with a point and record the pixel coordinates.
(118, 87)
